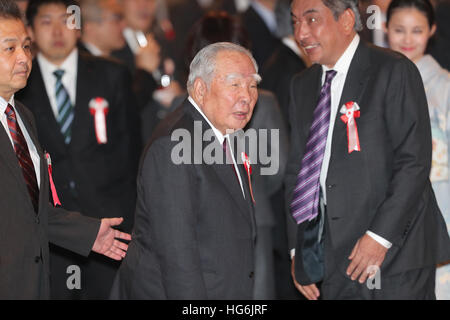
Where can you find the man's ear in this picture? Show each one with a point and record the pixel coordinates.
(347, 20)
(199, 91)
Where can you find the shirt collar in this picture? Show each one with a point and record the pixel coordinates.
(93, 49)
(4, 104)
(69, 65)
(343, 64)
(218, 134)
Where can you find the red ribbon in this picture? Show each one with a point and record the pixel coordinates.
(99, 109)
(55, 197)
(248, 169)
(351, 112)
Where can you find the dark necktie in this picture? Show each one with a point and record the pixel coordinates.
(23, 156)
(65, 108)
(305, 200)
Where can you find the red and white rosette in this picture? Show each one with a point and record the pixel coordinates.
(248, 169)
(99, 109)
(55, 197)
(350, 112)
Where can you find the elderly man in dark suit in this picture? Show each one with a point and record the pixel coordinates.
(194, 234)
(357, 177)
(27, 220)
(86, 118)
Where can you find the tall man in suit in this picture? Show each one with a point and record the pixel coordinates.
(27, 220)
(86, 118)
(360, 193)
(194, 234)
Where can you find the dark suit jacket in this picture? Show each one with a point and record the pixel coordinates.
(104, 175)
(194, 233)
(24, 257)
(385, 187)
(263, 42)
(278, 72)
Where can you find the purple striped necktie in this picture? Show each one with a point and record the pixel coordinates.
(305, 200)
(23, 156)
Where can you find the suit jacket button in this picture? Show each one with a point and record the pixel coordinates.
(251, 275)
(37, 259)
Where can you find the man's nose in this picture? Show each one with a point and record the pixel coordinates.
(301, 31)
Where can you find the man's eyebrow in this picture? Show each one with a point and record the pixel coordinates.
(232, 76)
(6, 40)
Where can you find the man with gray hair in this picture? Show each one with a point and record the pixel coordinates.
(357, 177)
(102, 26)
(194, 232)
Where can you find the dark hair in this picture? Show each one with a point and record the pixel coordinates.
(34, 5)
(9, 10)
(216, 26)
(339, 6)
(423, 6)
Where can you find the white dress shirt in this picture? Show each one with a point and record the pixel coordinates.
(69, 79)
(31, 147)
(337, 86)
(221, 138)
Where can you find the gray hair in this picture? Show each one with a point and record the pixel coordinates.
(339, 6)
(203, 65)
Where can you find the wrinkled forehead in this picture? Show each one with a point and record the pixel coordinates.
(12, 30)
(301, 8)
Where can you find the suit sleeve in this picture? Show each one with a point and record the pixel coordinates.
(292, 168)
(169, 195)
(408, 124)
(72, 231)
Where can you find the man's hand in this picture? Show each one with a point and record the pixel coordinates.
(310, 292)
(106, 242)
(148, 58)
(367, 252)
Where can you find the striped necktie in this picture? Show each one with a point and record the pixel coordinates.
(23, 156)
(305, 200)
(65, 108)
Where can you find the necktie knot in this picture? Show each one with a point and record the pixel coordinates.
(10, 112)
(58, 74)
(330, 74)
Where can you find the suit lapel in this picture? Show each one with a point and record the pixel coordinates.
(83, 96)
(309, 101)
(9, 157)
(42, 160)
(354, 87)
(224, 171)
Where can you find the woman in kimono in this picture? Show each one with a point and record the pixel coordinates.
(410, 25)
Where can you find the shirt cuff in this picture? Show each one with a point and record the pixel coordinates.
(292, 253)
(379, 239)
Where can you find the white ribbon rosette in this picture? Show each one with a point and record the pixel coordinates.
(99, 109)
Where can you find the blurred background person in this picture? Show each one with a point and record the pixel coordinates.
(94, 170)
(287, 60)
(146, 55)
(439, 45)
(102, 26)
(260, 21)
(410, 25)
